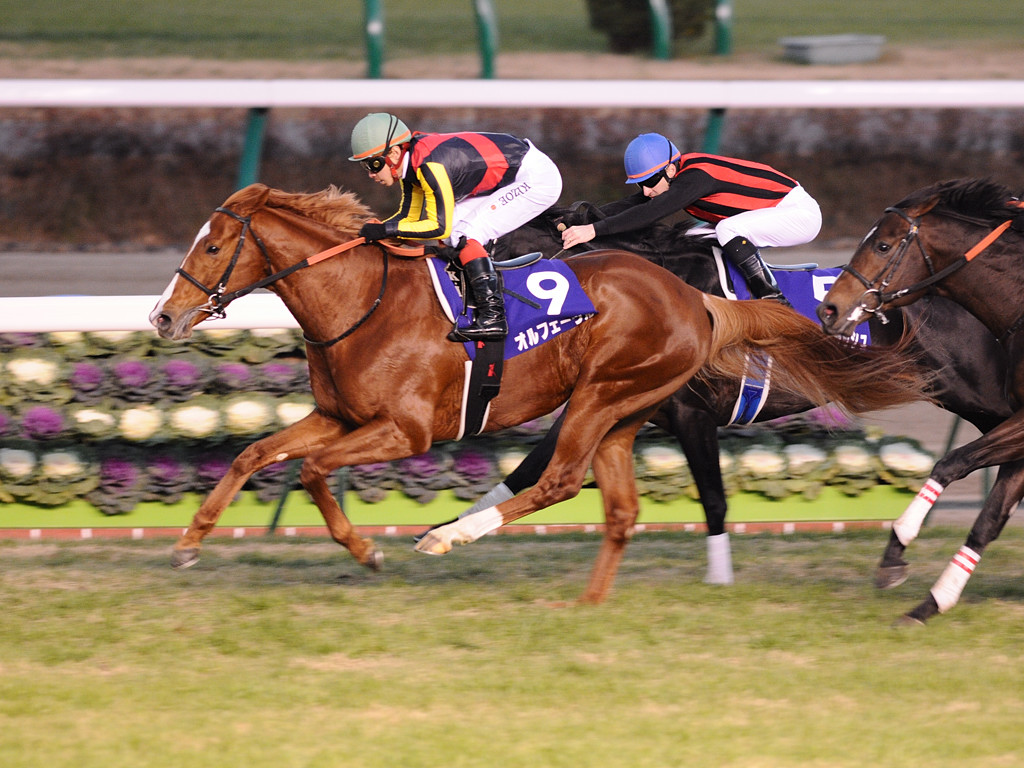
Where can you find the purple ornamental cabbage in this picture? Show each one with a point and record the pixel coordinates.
(166, 470)
(234, 376)
(473, 465)
(281, 377)
(425, 465)
(132, 374)
(41, 422)
(210, 468)
(118, 474)
(183, 376)
(87, 379)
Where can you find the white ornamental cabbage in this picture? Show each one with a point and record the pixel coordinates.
(16, 463)
(61, 464)
(248, 416)
(195, 420)
(92, 417)
(508, 460)
(222, 334)
(662, 459)
(67, 338)
(112, 337)
(33, 370)
(291, 411)
(726, 462)
(852, 459)
(140, 423)
(905, 458)
(762, 462)
(802, 458)
(282, 335)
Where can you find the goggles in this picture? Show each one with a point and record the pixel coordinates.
(374, 164)
(651, 181)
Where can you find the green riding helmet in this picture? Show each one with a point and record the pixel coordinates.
(376, 133)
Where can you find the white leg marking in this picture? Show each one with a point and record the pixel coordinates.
(719, 560)
(909, 523)
(953, 580)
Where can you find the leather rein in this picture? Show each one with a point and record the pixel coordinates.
(219, 297)
(873, 299)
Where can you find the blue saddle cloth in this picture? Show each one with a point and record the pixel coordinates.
(805, 289)
(542, 300)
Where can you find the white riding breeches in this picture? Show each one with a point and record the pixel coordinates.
(536, 188)
(794, 221)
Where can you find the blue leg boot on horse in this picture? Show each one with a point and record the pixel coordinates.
(484, 285)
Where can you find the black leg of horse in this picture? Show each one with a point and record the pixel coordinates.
(524, 476)
(999, 507)
(697, 434)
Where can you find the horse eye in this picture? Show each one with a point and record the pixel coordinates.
(213, 249)
(883, 247)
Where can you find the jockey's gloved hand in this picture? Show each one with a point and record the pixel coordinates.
(373, 231)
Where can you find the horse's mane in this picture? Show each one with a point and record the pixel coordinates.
(341, 210)
(979, 198)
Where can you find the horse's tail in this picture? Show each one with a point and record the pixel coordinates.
(806, 361)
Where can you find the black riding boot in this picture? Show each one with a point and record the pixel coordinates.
(489, 318)
(748, 261)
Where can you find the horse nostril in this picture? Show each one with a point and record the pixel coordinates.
(162, 322)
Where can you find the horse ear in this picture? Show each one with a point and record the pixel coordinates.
(922, 208)
(248, 199)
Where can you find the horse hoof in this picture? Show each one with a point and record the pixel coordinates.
(906, 620)
(890, 576)
(375, 561)
(432, 544)
(419, 536)
(184, 558)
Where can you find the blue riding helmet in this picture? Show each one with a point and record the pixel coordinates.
(648, 154)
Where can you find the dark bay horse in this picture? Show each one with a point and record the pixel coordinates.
(967, 364)
(387, 384)
(963, 240)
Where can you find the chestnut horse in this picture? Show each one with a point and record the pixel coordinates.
(387, 383)
(964, 240)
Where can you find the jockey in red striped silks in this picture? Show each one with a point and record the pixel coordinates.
(750, 205)
(455, 186)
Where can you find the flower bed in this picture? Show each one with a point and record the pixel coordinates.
(119, 420)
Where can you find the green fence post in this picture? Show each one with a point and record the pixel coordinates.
(286, 488)
(713, 130)
(256, 125)
(374, 37)
(723, 47)
(487, 25)
(723, 27)
(661, 29)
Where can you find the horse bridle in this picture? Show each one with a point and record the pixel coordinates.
(219, 298)
(873, 299)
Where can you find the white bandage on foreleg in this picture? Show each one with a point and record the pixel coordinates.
(472, 527)
(719, 560)
(953, 580)
(492, 498)
(909, 523)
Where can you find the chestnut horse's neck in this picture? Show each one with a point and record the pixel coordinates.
(329, 298)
